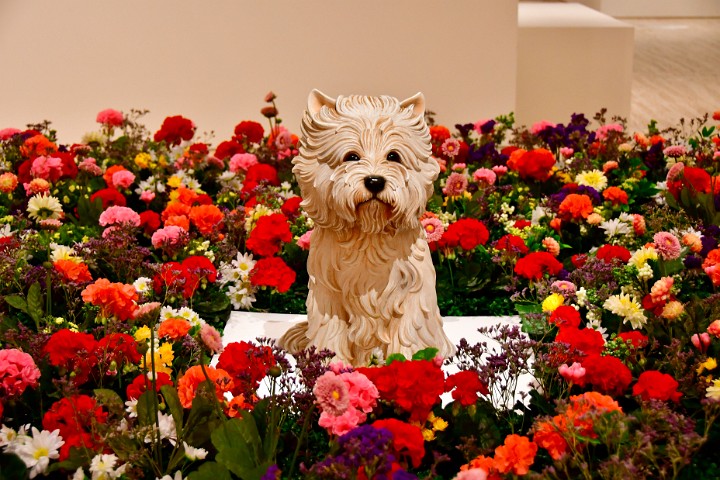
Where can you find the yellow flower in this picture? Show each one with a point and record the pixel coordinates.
(142, 334)
(713, 391)
(143, 160)
(594, 178)
(641, 256)
(438, 424)
(164, 357)
(553, 301)
(709, 364)
(174, 181)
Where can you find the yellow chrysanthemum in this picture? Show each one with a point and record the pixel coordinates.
(164, 357)
(174, 182)
(143, 160)
(553, 301)
(709, 364)
(142, 334)
(438, 424)
(594, 178)
(628, 307)
(641, 257)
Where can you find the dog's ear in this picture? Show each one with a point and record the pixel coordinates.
(417, 102)
(317, 99)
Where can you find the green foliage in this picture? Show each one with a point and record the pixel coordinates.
(240, 448)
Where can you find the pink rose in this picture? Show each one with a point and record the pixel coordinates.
(304, 241)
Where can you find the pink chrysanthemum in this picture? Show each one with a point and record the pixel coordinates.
(456, 185)
(485, 175)
(116, 215)
(331, 394)
(674, 171)
(433, 229)
(451, 147)
(89, 165)
(667, 245)
(211, 338)
(660, 291)
(551, 245)
(674, 151)
(563, 287)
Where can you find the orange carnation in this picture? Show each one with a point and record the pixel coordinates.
(174, 328)
(179, 221)
(36, 146)
(71, 271)
(188, 384)
(175, 209)
(615, 195)
(114, 299)
(575, 207)
(516, 455)
(185, 195)
(206, 218)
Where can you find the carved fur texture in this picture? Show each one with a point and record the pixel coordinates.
(365, 174)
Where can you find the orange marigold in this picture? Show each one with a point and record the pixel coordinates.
(516, 455)
(206, 218)
(36, 146)
(174, 328)
(615, 195)
(179, 221)
(188, 384)
(175, 209)
(185, 195)
(575, 207)
(114, 299)
(71, 271)
(547, 435)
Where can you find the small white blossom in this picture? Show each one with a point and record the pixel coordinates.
(102, 467)
(192, 453)
(38, 450)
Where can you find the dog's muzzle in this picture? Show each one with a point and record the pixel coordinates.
(374, 184)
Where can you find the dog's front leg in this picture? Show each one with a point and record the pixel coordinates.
(327, 321)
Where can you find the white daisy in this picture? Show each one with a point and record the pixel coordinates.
(38, 450)
(192, 453)
(43, 207)
(594, 178)
(628, 307)
(143, 284)
(102, 467)
(615, 228)
(167, 429)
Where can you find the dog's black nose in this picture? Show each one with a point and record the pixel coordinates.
(374, 184)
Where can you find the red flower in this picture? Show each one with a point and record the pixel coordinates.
(575, 207)
(149, 221)
(252, 132)
(174, 130)
(171, 275)
(534, 164)
(586, 340)
(74, 352)
(114, 299)
(142, 383)
(258, 173)
(228, 149)
(615, 195)
(511, 243)
(654, 385)
(607, 374)
(267, 235)
(291, 207)
(467, 233)
(272, 272)
(247, 364)
(76, 418)
(467, 384)
(565, 316)
(207, 218)
(73, 272)
(407, 439)
(197, 268)
(608, 253)
(533, 265)
(637, 339)
(109, 197)
(697, 179)
(119, 348)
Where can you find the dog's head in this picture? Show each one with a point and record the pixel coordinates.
(365, 162)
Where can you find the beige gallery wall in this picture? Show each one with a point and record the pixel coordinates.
(214, 61)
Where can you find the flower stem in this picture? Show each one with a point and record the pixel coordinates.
(303, 432)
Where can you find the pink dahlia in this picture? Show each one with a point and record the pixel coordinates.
(331, 394)
(456, 185)
(485, 175)
(433, 229)
(667, 245)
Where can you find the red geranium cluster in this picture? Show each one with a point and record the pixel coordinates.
(465, 386)
(247, 364)
(585, 340)
(414, 386)
(466, 233)
(142, 383)
(109, 197)
(534, 265)
(248, 131)
(608, 253)
(696, 180)
(654, 385)
(185, 277)
(206, 218)
(272, 272)
(512, 244)
(607, 374)
(565, 316)
(260, 173)
(117, 300)
(77, 418)
(407, 439)
(269, 232)
(534, 164)
(174, 130)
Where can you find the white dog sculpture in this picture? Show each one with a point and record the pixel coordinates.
(365, 175)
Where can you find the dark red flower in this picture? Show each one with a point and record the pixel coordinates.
(76, 417)
(149, 221)
(466, 385)
(174, 130)
(512, 244)
(607, 374)
(196, 268)
(467, 233)
(247, 364)
(69, 167)
(635, 337)
(269, 232)
(654, 385)
(143, 383)
(586, 340)
(607, 253)
(272, 272)
(565, 316)
(74, 352)
(228, 148)
(291, 207)
(534, 265)
(407, 439)
(260, 173)
(120, 348)
(110, 197)
(252, 132)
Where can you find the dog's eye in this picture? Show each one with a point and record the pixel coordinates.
(351, 157)
(393, 156)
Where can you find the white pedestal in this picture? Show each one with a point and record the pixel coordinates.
(571, 59)
(656, 8)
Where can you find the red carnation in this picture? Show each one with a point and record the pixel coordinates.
(534, 164)
(466, 385)
(565, 316)
(512, 244)
(247, 364)
(109, 197)
(269, 232)
(174, 130)
(149, 221)
(533, 265)
(407, 439)
(586, 340)
(228, 148)
(272, 272)
(467, 233)
(291, 207)
(252, 132)
(607, 253)
(258, 173)
(654, 385)
(607, 374)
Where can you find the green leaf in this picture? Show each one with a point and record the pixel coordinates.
(425, 354)
(211, 471)
(35, 302)
(16, 301)
(240, 448)
(203, 417)
(111, 400)
(172, 400)
(11, 467)
(395, 357)
(523, 308)
(146, 408)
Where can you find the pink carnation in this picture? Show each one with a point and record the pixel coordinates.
(304, 240)
(538, 127)
(110, 118)
(609, 166)
(242, 161)
(500, 170)
(116, 215)
(147, 196)
(363, 393)
(660, 291)
(667, 245)
(342, 424)
(123, 179)
(90, 166)
(331, 393)
(603, 131)
(47, 168)
(552, 246)
(169, 236)
(567, 152)
(211, 338)
(485, 175)
(675, 171)
(17, 372)
(456, 184)
(7, 133)
(433, 228)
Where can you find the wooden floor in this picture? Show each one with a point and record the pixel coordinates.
(676, 70)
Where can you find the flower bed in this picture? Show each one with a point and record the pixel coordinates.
(124, 255)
